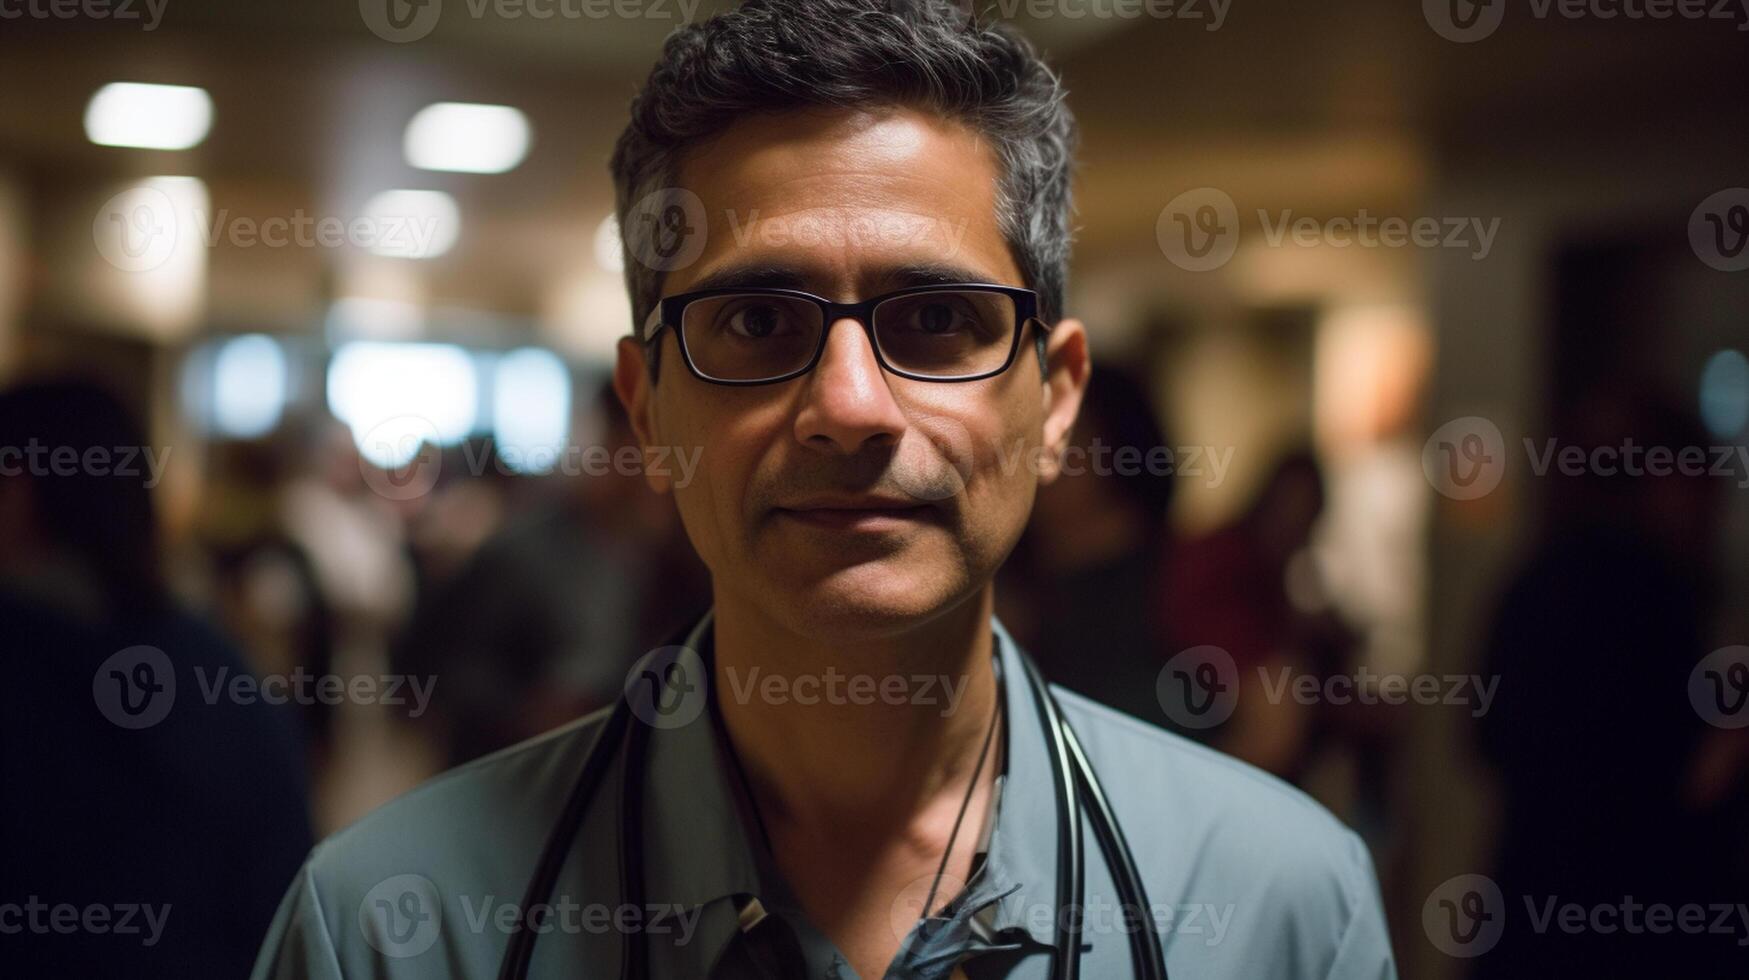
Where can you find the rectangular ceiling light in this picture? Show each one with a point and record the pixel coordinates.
(153, 117)
(468, 138)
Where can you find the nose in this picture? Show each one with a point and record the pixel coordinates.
(846, 404)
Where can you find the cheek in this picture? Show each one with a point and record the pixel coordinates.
(1009, 479)
(681, 426)
(1000, 497)
(713, 503)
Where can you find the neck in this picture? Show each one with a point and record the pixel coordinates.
(866, 733)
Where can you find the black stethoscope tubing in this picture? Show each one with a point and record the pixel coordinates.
(1077, 787)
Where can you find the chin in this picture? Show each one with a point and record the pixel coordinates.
(869, 600)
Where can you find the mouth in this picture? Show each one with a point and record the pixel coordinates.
(859, 513)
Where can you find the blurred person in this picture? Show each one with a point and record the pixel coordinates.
(469, 501)
(1234, 588)
(846, 405)
(540, 624)
(261, 583)
(163, 820)
(1080, 589)
(356, 537)
(1614, 787)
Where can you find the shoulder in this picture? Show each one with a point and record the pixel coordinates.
(475, 830)
(1206, 797)
(453, 850)
(484, 810)
(1211, 831)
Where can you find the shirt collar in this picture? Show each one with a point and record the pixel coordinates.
(700, 846)
(1023, 845)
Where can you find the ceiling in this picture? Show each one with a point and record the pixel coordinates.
(1319, 107)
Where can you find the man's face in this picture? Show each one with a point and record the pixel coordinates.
(850, 502)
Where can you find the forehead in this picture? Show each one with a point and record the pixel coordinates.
(845, 202)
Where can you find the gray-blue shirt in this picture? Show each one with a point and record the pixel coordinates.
(1249, 878)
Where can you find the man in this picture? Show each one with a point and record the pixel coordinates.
(817, 768)
(163, 823)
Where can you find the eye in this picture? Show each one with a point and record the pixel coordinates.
(937, 317)
(757, 321)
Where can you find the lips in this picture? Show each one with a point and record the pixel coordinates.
(857, 512)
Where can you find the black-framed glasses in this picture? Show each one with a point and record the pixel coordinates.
(758, 336)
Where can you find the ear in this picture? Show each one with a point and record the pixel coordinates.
(1067, 367)
(632, 382)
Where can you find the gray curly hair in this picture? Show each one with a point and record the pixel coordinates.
(775, 55)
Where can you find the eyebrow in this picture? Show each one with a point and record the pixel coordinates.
(793, 277)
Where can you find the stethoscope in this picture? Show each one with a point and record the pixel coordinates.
(1073, 774)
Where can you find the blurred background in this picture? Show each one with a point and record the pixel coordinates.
(1365, 272)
